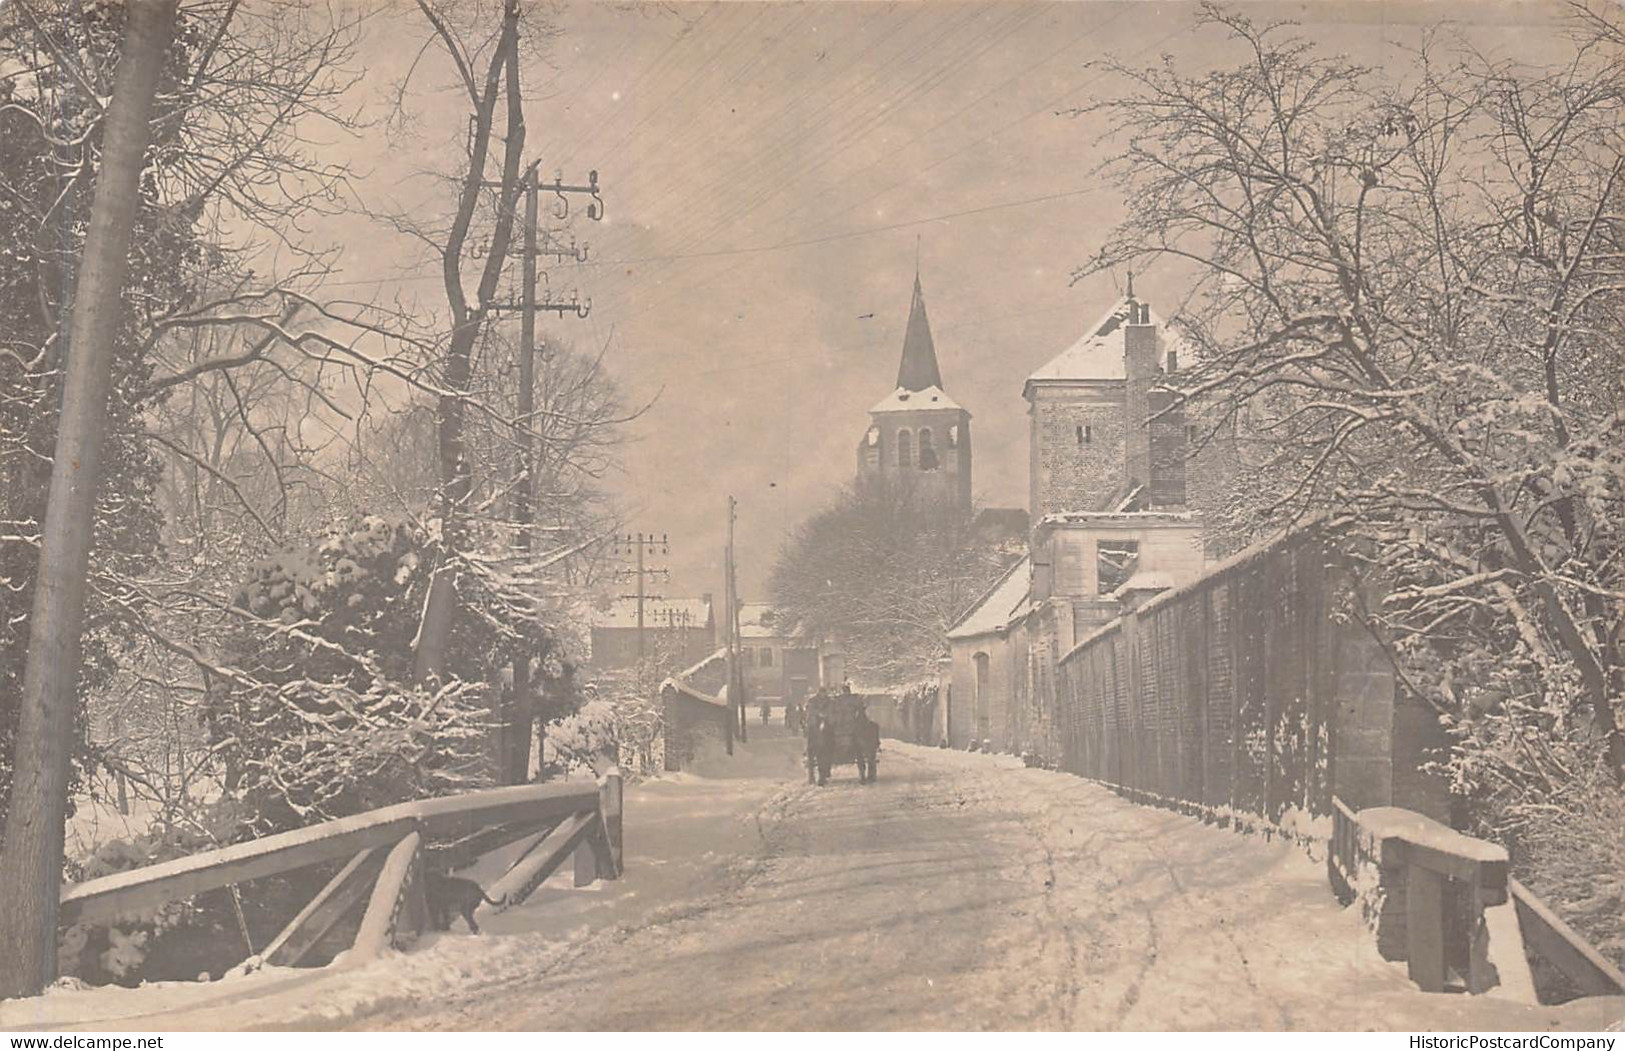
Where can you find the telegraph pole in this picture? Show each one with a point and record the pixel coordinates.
(637, 544)
(640, 600)
(736, 675)
(519, 721)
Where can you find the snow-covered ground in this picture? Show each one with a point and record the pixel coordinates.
(960, 892)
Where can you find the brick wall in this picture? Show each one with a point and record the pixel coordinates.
(1244, 690)
(1167, 452)
(1210, 469)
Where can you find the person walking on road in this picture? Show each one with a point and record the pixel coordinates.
(866, 743)
(826, 747)
(809, 726)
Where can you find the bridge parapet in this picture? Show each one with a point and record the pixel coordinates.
(1428, 899)
(385, 852)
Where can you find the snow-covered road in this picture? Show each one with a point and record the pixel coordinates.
(960, 892)
(964, 892)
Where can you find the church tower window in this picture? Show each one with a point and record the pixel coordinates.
(928, 451)
(905, 454)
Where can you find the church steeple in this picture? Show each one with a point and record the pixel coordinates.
(918, 441)
(918, 369)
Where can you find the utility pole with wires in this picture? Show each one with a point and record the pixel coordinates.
(516, 756)
(518, 723)
(635, 546)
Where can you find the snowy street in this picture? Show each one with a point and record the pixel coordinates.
(961, 892)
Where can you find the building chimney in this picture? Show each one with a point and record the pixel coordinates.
(1140, 372)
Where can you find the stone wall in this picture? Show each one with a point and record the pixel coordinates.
(1067, 473)
(693, 725)
(949, 481)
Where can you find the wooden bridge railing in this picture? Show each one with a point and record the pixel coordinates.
(385, 852)
(1446, 899)
(1557, 944)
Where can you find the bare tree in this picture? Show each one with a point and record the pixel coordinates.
(885, 576)
(1409, 292)
(468, 315)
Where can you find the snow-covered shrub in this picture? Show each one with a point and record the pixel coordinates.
(580, 740)
(1566, 836)
(318, 713)
(618, 722)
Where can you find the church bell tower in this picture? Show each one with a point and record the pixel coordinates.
(918, 441)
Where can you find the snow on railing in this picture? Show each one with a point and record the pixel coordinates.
(387, 852)
(1414, 879)
(1410, 873)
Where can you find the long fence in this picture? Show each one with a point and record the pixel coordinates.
(1255, 696)
(1244, 690)
(380, 887)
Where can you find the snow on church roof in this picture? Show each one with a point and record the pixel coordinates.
(904, 400)
(1002, 604)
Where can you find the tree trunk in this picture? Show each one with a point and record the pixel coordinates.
(456, 476)
(31, 855)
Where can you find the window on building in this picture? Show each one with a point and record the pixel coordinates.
(1115, 562)
(953, 436)
(1086, 434)
(1190, 432)
(928, 451)
(905, 451)
(767, 657)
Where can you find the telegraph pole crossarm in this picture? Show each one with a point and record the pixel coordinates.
(636, 545)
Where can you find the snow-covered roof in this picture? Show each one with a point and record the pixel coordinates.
(1122, 518)
(904, 400)
(657, 613)
(758, 620)
(1098, 355)
(674, 683)
(1145, 581)
(1006, 601)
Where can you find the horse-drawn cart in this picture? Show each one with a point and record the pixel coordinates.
(842, 711)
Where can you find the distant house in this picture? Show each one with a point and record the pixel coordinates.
(676, 632)
(779, 666)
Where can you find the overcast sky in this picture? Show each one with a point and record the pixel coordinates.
(768, 170)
